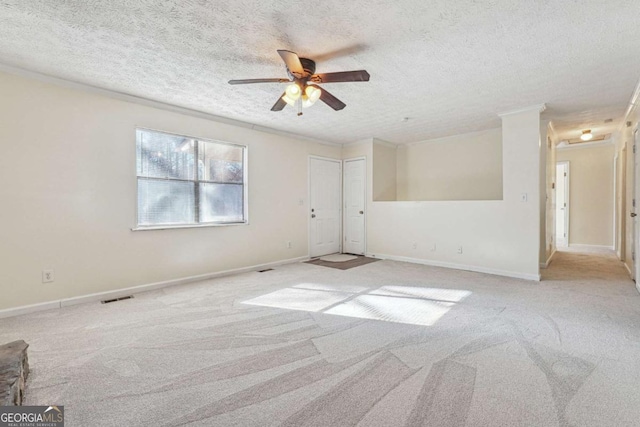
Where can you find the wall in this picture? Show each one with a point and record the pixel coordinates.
(590, 194)
(624, 140)
(548, 140)
(69, 196)
(497, 236)
(461, 167)
(385, 173)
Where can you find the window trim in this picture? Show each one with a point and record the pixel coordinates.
(245, 185)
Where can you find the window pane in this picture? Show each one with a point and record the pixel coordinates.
(165, 202)
(220, 162)
(161, 155)
(221, 203)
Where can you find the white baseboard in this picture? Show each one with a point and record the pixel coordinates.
(629, 271)
(546, 264)
(433, 263)
(117, 293)
(591, 248)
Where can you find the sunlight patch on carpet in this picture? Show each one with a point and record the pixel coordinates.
(398, 304)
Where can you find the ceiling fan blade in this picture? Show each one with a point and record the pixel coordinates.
(280, 104)
(342, 76)
(329, 99)
(293, 62)
(247, 81)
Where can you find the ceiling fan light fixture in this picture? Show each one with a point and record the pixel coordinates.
(286, 98)
(586, 135)
(310, 96)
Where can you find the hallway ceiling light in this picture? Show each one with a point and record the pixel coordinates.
(586, 135)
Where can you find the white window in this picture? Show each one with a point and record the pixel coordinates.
(186, 181)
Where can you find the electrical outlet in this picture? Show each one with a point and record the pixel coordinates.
(433, 248)
(289, 244)
(415, 245)
(47, 276)
(459, 249)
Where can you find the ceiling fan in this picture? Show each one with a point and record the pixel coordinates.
(303, 89)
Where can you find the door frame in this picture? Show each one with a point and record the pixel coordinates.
(567, 189)
(635, 224)
(340, 187)
(344, 202)
(615, 203)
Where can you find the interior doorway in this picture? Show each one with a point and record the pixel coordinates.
(562, 204)
(325, 213)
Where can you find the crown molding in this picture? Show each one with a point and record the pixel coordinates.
(538, 108)
(121, 96)
(633, 103)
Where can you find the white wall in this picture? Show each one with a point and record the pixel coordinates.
(68, 192)
(590, 194)
(460, 167)
(548, 141)
(624, 140)
(499, 236)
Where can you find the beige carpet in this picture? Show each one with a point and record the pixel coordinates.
(301, 345)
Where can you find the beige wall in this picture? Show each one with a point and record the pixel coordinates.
(461, 167)
(590, 194)
(384, 171)
(497, 236)
(68, 194)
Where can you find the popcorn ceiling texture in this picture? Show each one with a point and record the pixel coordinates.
(448, 66)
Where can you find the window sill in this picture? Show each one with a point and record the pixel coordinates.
(173, 227)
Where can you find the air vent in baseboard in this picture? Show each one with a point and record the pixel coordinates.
(107, 301)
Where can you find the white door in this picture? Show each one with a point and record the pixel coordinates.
(633, 210)
(355, 173)
(324, 206)
(562, 204)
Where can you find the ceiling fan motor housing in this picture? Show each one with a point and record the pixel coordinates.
(309, 66)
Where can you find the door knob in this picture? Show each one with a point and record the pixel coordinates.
(361, 212)
(633, 214)
(313, 215)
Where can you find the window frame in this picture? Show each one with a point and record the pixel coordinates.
(196, 181)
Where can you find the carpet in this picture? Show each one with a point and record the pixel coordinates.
(337, 351)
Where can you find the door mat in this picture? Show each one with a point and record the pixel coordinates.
(360, 260)
(338, 257)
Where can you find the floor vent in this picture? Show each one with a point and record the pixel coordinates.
(265, 270)
(107, 301)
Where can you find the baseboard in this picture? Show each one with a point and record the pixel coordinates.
(117, 293)
(454, 266)
(591, 247)
(629, 271)
(546, 264)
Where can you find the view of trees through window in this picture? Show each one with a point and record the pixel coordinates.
(183, 180)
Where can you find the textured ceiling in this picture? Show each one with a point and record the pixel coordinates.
(450, 66)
